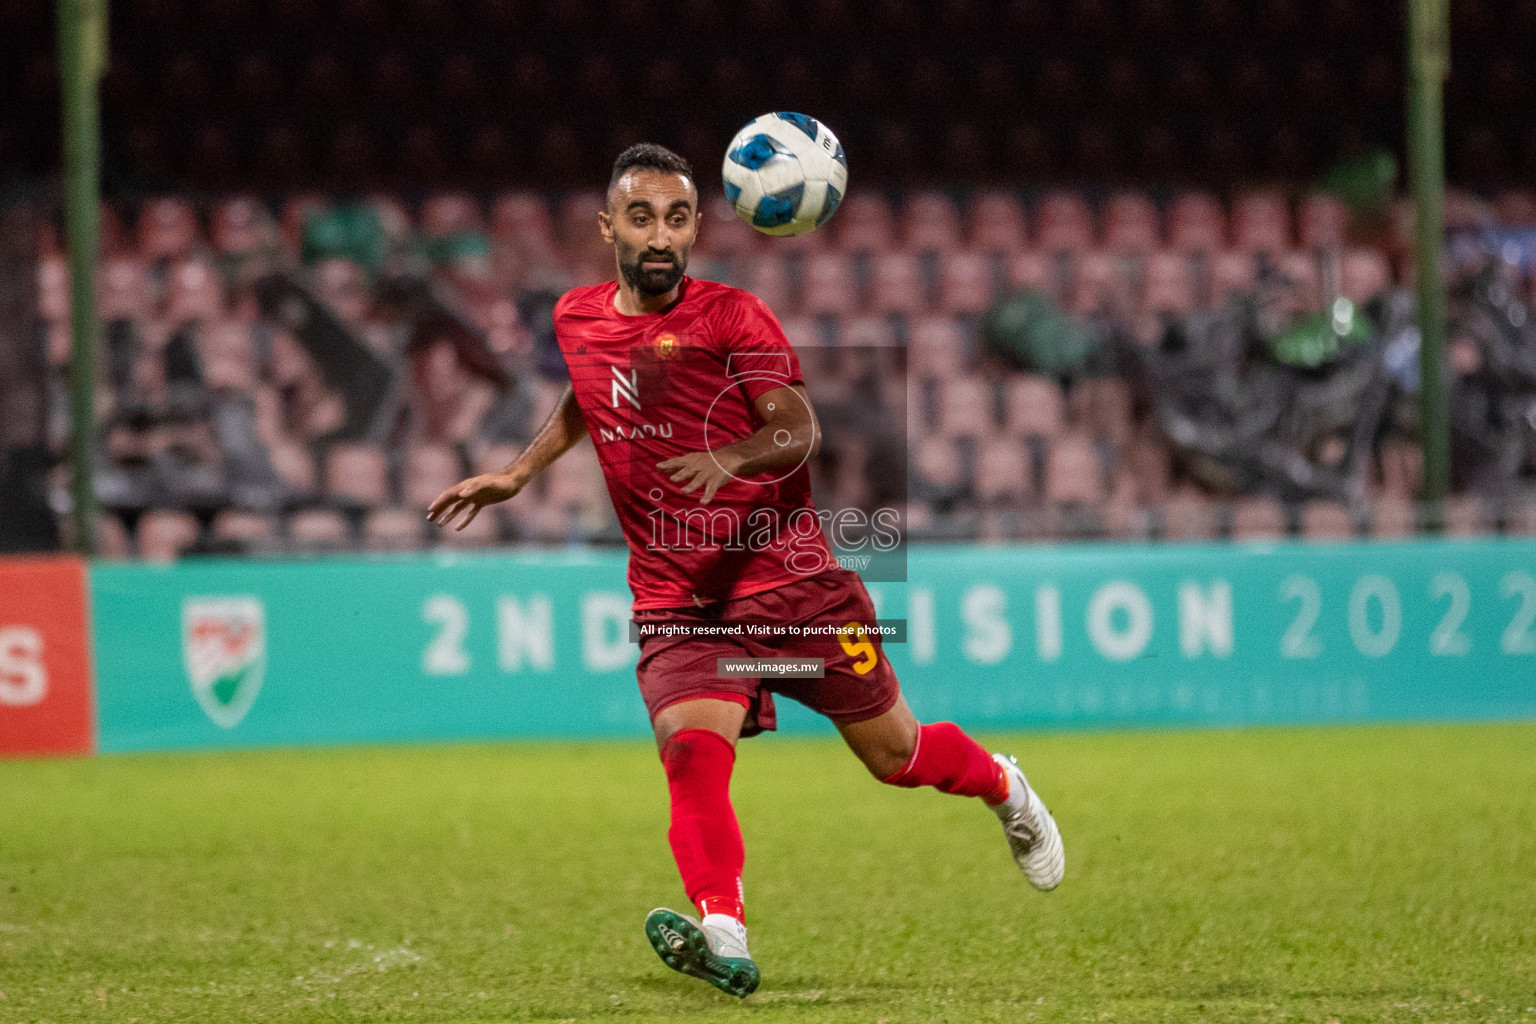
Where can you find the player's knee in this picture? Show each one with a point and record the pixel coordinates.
(886, 761)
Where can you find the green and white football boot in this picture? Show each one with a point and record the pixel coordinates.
(714, 950)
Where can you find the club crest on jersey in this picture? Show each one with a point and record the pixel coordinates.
(224, 649)
(665, 346)
(625, 386)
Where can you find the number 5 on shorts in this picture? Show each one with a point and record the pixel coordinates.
(857, 646)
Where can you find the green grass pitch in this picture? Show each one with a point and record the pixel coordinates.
(1300, 874)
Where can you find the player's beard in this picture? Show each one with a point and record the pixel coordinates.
(652, 282)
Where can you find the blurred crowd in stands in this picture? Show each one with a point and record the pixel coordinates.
(307, 376)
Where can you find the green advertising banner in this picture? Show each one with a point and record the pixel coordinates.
(243, 653)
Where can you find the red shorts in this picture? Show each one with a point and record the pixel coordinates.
(858, 683)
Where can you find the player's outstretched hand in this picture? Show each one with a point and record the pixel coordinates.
(470, 497)
(700, 469)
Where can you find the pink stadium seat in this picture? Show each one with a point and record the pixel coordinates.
(578, 217)
(1232, 270)
(965, 407)
(1033, 406)
(450, 213)
(254, 532)
(1326, 520)
(229, 358)
(123, 289)
(1189, 515)
(430, 469)
(1301, 270)
(1393, 517)
(936, 462)
(1196, 223)
(1261, 222)
(1073, 471)
(965, 282)
(1322, 221)
(1149, 464)
(932, 222)
(1063, 222)
(829, 284)
(1131, 223)
(1258, 518)
(898, 283)
(357, 473)
(997, 223)
(576, 479)
(767, 277)
(1029, 269)
(163, 535)
(112, 539)
(241, 225)
(1098, 283)
(1169, 284)
(318, 530)
(1521, 517)
(53, 288)
(867, 332)
(1402, 468)
(294, 467)
(522, 217)
(1003, 470)
(393, 529)
(801, 332)
(167, 229)
(1467, 516)
(935, 348)
(194, 291)
(1363, 275)
(865, 223)
(493, 458)
(1102, 407)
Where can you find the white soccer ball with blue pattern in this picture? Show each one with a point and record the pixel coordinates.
(785, 173)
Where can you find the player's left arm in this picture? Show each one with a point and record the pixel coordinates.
(788, 437)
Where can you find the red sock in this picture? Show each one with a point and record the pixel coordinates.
(706, 841)
(951, 762)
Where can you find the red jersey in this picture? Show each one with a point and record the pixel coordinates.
(684, 380)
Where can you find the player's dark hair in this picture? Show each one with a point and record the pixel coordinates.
(648, 156)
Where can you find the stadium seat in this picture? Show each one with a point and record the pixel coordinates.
(343, 286)
(767, 276)
(228, 356)
(1258, 517)
(357, 473)
(1196, 223)
(932, 222)
(429, 470)
(1149, 463)
(1520, 517)
(450, 213)
(966, 407)
(241, 225)
(1098, 283)
(1393, 517)
(1033, 270)
(112, 539)
(1323, 520)
(294, 468)
(1168, 284)
(935, 348)
(249, 532)
(576, 480)
(167, 229)
(1073, 472)
(296, 213)
(1131, 223)
(1063, 222)
(997, 223)
(722, 232)
(1188, 515)
(965, 282)
(1363, 275)
(1232, 270)
(898, 284)
(194, 291)
(164, 535)
(1300, 268)
(865, 223)
(318, 530)
(872, 332)
(936, 464)
(1003, 470)
(1402, 468)
(1322, 222)
(1468, 516)
(830, 286)
(1101, 406)
(1261, 222)
(1033, 406)
(484, 531)
(522, 218)
(52, 288)
(123, 289)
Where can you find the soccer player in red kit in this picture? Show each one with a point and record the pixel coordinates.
(695, 402)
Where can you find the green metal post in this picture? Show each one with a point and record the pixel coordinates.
(82, 54)
(1429, 34)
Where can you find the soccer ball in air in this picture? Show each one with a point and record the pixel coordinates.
(785, 173)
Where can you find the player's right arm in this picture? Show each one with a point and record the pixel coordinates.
(558, 435)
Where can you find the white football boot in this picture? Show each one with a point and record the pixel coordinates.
(712, 950)
(1032, 833)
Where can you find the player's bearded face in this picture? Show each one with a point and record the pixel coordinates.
(652, 271)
